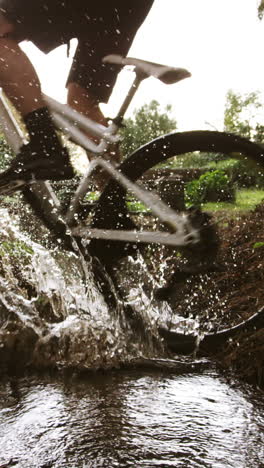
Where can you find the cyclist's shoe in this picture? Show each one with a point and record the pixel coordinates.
(43, 158)
(30, 166)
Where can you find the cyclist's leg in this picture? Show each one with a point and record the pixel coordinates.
(110, 30)
(21, 84)
(18, 77)
(83, 101)
(90, 82)
(85, 94)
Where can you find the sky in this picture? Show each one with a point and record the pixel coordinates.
(219, 41)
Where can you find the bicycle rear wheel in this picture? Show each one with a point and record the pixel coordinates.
(112, 213)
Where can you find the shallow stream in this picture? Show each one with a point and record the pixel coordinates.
(53, 316)
(130, 419)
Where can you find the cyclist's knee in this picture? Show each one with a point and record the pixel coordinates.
(7, 43)
(84, 102)
(9, 51)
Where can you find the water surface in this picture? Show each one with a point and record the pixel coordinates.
(130, 419)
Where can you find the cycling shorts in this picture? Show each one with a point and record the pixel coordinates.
(101, 27)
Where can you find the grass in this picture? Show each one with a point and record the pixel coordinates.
(199, 160)
(246, 200)
(136, 206)
(92, 196)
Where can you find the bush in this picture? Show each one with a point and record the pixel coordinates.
(212, 186)
(197, 159)
(244, 175)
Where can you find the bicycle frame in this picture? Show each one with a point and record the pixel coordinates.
(72, 123)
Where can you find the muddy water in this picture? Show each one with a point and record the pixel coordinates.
(130, 419)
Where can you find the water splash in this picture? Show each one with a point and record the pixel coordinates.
(137, 287)
(52, 315)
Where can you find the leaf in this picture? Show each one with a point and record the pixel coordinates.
(257, 245)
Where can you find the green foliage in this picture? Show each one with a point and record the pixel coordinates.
(245, 200)
(258, 245)
(148, 122)
(225, 165)
(211, 186)
(261, 9)
(197, 160)
(259, 133)
(16, 249)
(92, 197)
(134, 205)
(65, 188)
(244, 175)
(6, 154)
(194, 193)
(241, 114)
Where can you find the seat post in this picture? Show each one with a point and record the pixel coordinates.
(131, 93)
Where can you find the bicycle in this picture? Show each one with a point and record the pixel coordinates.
(111, 232)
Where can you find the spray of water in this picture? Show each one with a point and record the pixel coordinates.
(54, 316)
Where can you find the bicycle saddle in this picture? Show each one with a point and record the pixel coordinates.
(144, 69)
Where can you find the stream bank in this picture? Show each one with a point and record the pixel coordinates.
(225, 298)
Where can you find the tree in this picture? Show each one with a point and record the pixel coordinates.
(259, 133)
(241, 114)
(261, 9)
(147, 123)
